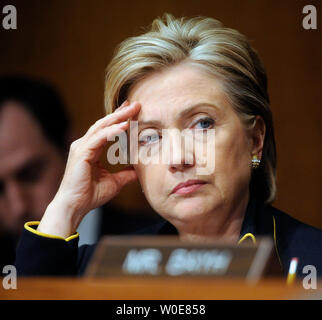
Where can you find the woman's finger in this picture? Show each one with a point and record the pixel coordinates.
(94, 145)
(111, 184)
(126, 112)
(122, 106)
(125, 176)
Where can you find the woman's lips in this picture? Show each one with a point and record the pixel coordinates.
(188, 187)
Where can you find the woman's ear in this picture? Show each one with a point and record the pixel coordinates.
(258, 136)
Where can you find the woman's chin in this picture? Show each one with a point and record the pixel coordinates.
(190, 209)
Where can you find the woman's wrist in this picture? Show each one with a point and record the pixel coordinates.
(59, 219)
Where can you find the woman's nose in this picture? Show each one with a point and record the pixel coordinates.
(180, 166)
(181, 155)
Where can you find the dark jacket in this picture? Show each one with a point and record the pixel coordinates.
(37, 255)
(111, 223)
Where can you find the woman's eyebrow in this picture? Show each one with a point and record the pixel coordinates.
(194, 106)
(181, 114)
(150, 122)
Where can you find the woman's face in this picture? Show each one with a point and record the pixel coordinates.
(185, 97)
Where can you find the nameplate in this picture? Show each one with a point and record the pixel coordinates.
(170, 257)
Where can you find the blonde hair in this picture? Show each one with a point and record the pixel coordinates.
(223, 52)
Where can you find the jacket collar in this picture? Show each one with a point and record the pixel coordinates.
(249, 228)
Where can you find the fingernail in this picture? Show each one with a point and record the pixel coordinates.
(130, 105)
(122, 123)
(123, 105)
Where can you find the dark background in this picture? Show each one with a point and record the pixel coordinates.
(70, 42)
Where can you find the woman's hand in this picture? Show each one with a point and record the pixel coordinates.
(86, 183)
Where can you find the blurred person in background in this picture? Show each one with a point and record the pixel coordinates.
(35, 136)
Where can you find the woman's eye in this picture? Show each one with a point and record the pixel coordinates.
(205, 123)
(149, 138)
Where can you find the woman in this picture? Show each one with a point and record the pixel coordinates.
(185, 74)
